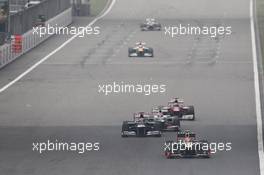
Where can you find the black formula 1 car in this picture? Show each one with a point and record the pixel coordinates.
(140, 50)
(186, 146)
(178, 108)
(150, 25)
(141, 127)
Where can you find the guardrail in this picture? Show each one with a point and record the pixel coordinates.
(25, 19)
(30, 40)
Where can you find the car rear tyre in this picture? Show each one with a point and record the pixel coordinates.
(151, 51)
(168, 155)
(191, 111)
(130, 50)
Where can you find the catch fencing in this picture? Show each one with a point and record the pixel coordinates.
(30, 40)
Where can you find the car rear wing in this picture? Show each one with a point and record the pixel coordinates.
(142, 115)
(182, 135)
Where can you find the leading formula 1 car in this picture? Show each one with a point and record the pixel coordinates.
(150, 25)
(186, 146)
(178, 108)
(140, 50)
(141, 127)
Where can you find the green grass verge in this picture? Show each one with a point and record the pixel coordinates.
(97, 6)
(260, 16)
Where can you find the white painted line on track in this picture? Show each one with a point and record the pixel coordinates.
(257, 91)
(105, 12)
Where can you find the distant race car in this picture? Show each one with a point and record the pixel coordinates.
(177, 108)
(150, 25)
(142, 126)
(31, 3)
(140, 50)
(168, 122)
(186, 146)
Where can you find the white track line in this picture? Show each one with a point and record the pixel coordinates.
(257, 90)
(56, 50)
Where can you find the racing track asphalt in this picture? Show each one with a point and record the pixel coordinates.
(60, 99)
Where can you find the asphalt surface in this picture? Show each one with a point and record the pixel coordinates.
(60, 99)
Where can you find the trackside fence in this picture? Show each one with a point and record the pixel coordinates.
(31, 40)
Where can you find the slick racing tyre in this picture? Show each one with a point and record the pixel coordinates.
(191, 111)
(151, 51)
(130, 51)
(125, 127)
(168, 154)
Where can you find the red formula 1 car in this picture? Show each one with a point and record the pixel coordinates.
(178, 108)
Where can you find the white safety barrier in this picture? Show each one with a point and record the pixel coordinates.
(31, 40)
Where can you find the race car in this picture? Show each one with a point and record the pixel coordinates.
(176, 100)
(167, 122)
(141, 127)
(177, 108)
(161, 111)
(187, 146)
(140, 50)
(150, 25)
